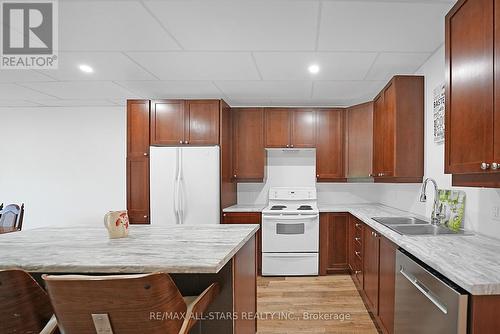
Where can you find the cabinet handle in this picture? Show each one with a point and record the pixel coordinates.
(145, 217)
(485, 166)
(287, 145)
(234, 175)
(186, 142)
(291, 145)
(317, 176)
(145, 154)
(357, 224)
(357, 239)
(358, 253)
(495, 166)
(224, 215)
(181, 142)
(357, 272)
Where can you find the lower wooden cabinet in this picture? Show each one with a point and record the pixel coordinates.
(356, 250)
(333, 243)
(247, 218)
(387, 284)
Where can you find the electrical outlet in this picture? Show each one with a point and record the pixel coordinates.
(495, 213)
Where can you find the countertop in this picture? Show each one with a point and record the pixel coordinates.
(171, 249)
(470, 261)
(245, 208)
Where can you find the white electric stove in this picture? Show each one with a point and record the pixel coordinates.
(290, 232)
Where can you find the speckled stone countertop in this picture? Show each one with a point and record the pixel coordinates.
(471, 261)
(245, 208)
(172, 249)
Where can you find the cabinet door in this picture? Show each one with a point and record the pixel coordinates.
(277, 123)
(330, 145)
(469, 90)
(167, 122)
(247, 218)
(359, 140)
(389, 130)
(303, 125)
(202, 122)
(496, 142)
(249, 153)
(378, 140)
(370, 268)
(334, 234)
(138, 160)
(387, 284)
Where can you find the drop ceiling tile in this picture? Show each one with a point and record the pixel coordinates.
(382, 26)
(172, 89)
(333, 66)
(389, 64)
(106, 65)
(346, 90)
(14, 92)
(246, 102)
(75, 103)
(198, 65)
(95, 90)
(265, 89)
(12, 76)
(240, 25)
(110, 26)
(17, 103)
(312, 102)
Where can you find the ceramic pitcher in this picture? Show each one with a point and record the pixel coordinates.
(117, 224)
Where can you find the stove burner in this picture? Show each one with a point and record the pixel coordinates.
(305, 207)
(278, 207)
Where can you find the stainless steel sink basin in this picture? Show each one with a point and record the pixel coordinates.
(415, 226)
(400, 221)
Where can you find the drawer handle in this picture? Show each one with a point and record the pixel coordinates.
(357, 272)
(495, 166)
(485, 166)
(357, 224)
(358, 254)
(357, 239)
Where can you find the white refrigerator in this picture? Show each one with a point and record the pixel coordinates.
(184, 185)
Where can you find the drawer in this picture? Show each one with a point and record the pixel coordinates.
(358, 254)
(289, 264)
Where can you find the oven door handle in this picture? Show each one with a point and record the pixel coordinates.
(291, 217)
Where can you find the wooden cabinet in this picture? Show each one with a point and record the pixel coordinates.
(371, 248)
(228, 191)
(472, 124)
(330, 145)
(138, 161)
(356, 250)
(247, 218)
(185, 122)
(289, 128)
(248, 149)
(333, 243)
(398, 131)
(387, 284)
(359, 141)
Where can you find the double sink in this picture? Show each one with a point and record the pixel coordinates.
(415, 226)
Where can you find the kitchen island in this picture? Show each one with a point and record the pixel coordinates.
(195, 256)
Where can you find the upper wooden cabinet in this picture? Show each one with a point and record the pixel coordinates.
(138, 161)
(398, 131)
(289, 128)
(472, 124)
(248, 144)
(181, 122)
(359, 141)
(330, 145)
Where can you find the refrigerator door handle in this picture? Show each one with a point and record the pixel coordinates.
(176, 188)
(180, 200)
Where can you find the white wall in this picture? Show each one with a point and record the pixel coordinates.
(66, 164)
(479, 202)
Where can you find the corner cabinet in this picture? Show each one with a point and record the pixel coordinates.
(138, 161)
(185, 122)
(249, 155)
(289, 128)
(398, 131)
(330, 145)
(472, 124)
(359, 141)
(333, 243)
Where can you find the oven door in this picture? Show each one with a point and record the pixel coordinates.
(290, 233)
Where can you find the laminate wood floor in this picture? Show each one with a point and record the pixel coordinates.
(295, 305)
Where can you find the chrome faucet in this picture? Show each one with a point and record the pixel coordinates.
(436, 212)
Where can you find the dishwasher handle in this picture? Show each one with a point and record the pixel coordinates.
(424, 290)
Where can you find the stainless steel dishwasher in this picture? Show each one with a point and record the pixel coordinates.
(426, 302)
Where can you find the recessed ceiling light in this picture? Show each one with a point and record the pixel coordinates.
(313, 69)
(86, 68)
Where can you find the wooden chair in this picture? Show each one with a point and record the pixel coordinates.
(124, 304)
(24, 305)
(12, 216)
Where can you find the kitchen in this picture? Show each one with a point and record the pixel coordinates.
(267, 166)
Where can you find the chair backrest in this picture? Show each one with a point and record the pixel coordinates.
(12, 216)
(133, 303)
(24, 306)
